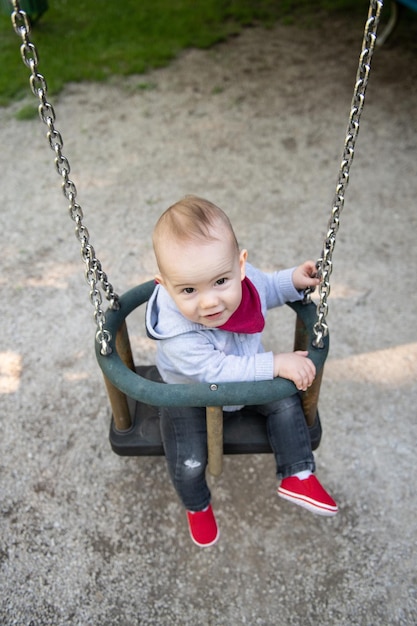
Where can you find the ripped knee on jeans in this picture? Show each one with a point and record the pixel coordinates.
(192, 464)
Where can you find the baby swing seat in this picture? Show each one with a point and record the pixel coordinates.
(136, 392)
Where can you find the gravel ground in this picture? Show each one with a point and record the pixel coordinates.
(256, 125)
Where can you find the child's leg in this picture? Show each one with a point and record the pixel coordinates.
(184, 435)
(290, 440)
(288, 435)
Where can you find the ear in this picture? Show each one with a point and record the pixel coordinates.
(242, 262)
(159, 280)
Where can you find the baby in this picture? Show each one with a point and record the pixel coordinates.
(208, 312)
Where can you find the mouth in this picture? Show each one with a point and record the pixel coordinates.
(213, 316)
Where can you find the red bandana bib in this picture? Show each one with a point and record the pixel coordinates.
(248, 316)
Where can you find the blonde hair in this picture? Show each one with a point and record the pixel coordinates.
(191, 219)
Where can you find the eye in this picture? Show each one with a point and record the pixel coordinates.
(189, 290)
(221, 281)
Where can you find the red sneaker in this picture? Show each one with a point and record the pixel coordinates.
(203, 527)
(309, 494)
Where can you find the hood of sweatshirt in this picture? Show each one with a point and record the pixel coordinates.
(163, 319)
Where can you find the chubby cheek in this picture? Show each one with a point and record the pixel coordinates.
(187, 309)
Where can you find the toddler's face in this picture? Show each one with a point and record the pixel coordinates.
(204, 279)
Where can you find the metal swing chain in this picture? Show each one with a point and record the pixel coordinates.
(324, 263)
(94, 273)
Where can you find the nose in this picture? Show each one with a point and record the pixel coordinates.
(208, 300)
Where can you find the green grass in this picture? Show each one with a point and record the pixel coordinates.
(91, 40)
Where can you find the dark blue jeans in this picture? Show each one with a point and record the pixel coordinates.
(184, 435)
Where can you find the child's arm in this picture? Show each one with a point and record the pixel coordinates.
(285, 285)
(208, 357)
(295, 366)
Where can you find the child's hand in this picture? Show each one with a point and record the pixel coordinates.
(295, 366)
(305, 275)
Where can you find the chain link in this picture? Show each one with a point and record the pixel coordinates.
(324, 263)
(94, 274)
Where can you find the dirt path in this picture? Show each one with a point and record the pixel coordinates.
(256, 125)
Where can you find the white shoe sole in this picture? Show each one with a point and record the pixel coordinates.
(308, 503)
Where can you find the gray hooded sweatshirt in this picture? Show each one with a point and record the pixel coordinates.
(188, 352)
